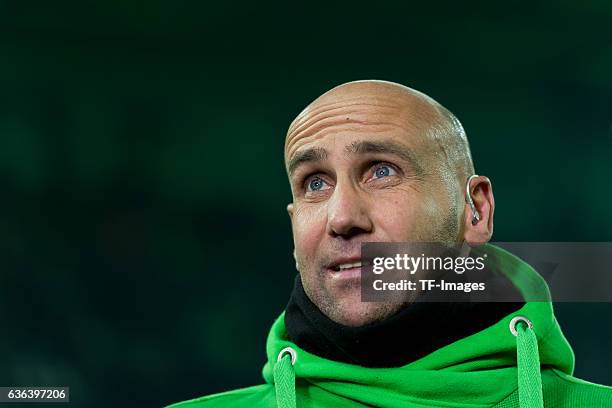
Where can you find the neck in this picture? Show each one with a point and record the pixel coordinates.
(410, 334)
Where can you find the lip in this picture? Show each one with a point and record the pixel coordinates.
(343, 260)
(349, 273)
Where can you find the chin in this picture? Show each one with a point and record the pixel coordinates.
(355, 314)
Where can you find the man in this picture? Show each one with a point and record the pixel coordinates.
(374, 161)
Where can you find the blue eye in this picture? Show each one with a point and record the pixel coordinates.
(384, 171)
(316, 184)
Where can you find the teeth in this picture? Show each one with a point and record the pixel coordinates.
(349, 265)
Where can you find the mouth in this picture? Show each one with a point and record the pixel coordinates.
(345, 269)
(345, 266)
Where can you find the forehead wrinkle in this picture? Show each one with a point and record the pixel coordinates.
(341, 126)
(345, 109)
(335, 122)
(361, 117)
(327, 131)
(316, 108)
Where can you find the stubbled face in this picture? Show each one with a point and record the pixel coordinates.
(363, 167)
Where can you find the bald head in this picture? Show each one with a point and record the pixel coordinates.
(389, 104)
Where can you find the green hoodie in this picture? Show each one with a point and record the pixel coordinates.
(491, 368)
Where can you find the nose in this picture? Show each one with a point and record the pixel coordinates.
(347, 212)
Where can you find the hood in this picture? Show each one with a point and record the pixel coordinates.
(478, 370)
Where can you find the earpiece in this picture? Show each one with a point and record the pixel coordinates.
(468, 199)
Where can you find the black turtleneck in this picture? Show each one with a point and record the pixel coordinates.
(410, 334)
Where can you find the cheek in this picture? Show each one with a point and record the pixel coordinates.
(404, 218)
(395, 218)
(308, 229)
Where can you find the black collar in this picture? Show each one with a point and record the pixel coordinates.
(412, 333)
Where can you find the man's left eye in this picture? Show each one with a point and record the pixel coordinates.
(383, 170)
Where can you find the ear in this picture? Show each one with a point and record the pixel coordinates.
(290, 212)
(482, 195)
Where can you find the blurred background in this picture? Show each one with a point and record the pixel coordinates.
(144, 242)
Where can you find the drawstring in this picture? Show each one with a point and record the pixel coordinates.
(527, 357)
(528, 362)
(284, 378)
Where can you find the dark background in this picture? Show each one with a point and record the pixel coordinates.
(144, 242)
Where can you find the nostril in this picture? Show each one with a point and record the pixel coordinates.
(349, 232)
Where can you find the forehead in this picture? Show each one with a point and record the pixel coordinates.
(338, 121)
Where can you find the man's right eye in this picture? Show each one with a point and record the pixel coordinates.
(316, 184)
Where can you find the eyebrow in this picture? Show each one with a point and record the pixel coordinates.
(318, 154)
(312, 155)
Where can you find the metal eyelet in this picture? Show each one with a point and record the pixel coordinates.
(517, 319)
(291, 352)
